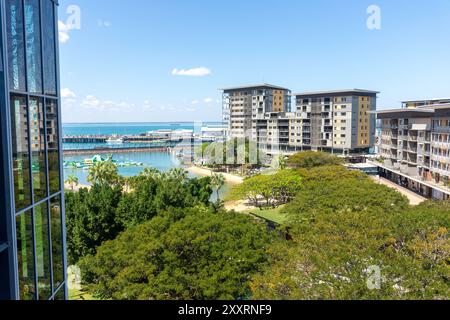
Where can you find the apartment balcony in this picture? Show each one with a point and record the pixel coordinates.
(423, 140)
(413, 138)
(441, 129)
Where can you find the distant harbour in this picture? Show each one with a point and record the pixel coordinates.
(162, 157)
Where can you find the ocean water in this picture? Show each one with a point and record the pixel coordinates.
(78, 129)
(162, 161)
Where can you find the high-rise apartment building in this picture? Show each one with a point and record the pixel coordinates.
(415, 146)
(243, 104)
(336, 121)
(32, 232)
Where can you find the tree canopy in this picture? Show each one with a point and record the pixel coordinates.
(101, 213)
(192, 253)
(344, 230)
(312, 159)
(269, 190)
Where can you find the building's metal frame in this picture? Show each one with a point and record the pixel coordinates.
(9, 278)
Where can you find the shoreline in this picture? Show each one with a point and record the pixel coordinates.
(229, 178)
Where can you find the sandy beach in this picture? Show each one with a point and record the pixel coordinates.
(230, 178)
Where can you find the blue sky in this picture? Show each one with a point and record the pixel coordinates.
(119, 66)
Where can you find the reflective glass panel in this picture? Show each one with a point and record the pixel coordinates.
(25, 256)
(57, 241)
(42, 250)
(16, 44)
(33, 45)
(53, 145)
(21, 156)
(48, 23)
(37, 140)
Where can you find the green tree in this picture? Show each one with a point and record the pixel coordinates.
(104, 172)
(311, 159)
(275, 189)
(217, 182)
(91, 219)
(72, 180)
(342, 228)
(180, 254)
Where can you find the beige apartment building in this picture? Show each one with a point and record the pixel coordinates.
(414, 144)
(243, 104)
(333, 121)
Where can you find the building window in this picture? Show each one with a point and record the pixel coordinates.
(42, 251)
(53, 145)
(21, 156)
(33, 46)
(57, 248)
(16, 45)
(37, 135)
(25, 256)
(48, 25)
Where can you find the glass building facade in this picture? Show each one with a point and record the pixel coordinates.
(32, 220)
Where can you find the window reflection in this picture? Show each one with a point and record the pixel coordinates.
(53, 145)
(25, 257)
(37, 140)
(33, 45)
(57, 245)
(42, 251)
(16, 48)
(21, 164)
(49, 48)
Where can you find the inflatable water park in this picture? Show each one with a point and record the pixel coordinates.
(88, 163)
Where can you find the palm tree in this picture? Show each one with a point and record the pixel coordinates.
(178, 174)
(151, 173)
(217, 182)
(104, 172)
(282, 162)
(72, 180)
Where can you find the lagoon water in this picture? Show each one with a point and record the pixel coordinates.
(159, 160)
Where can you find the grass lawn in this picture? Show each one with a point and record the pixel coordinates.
(274, 215)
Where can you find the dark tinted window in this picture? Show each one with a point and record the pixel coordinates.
(21, 156)
(41, 223)
(49, 48)
(25, 257)
(57, 243)
(16, 46)
(53, 145)
(33, 45)
(37, 134)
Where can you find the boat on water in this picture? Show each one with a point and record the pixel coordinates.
(114, 140)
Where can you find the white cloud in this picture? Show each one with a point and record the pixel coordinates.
(194, 72)
(67, 93)
(63, 31)
(208, 100)
(195, 102)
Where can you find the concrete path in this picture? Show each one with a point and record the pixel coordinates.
(414, 198)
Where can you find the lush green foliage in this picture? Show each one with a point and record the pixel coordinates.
(312, 159)
(217, 182)
(101, 213)
(152, 194)
(341, 227)
(269, 190)
(180, 254)
(105, 172)
(72, 180)
(237, 152)
(91, 219)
